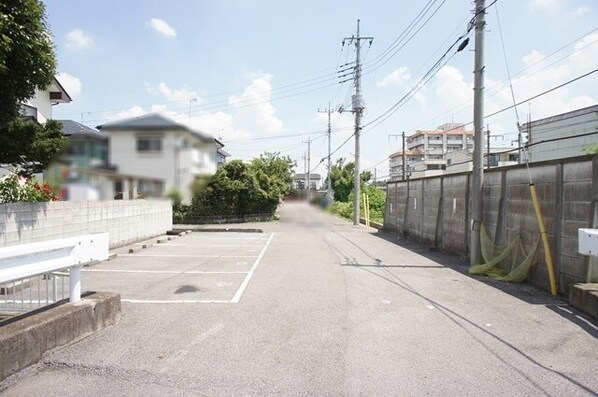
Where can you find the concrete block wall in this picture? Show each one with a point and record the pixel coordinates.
(567, 190)
(577, 212)
(126, 221)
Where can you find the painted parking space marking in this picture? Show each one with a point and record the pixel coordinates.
(158, 261)
(175, 301)
(183, 256)
(237, 297)
(160, 271)
(208, 245)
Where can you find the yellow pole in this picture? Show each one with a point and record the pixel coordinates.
(545, 243)
(367, 199)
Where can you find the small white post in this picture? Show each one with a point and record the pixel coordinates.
(75, 284)
(54, 288)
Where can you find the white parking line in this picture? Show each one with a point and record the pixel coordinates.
(204, 245)
(237, 297)
(160, 271)
(172, 301)
(183, 256)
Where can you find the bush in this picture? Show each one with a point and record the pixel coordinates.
(377, 199)
(17, 189)
(342, 209)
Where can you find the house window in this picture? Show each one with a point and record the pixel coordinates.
(149, 144)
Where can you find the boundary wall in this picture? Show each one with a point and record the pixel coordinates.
(126, 221)
(436, 211)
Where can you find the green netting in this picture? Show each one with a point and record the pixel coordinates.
(510, 262)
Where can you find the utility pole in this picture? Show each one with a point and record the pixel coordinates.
(304, 170)
(329, 189)
(190, 101)
(307, 172)
(404, 157)
(478, 124)
(488, 147)
(403, 153)
(357, 109)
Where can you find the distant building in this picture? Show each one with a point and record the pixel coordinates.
(563, 135)
(74, 171)
(396, 162)
(39, 107)
(300, 179)
(221, 154)
(155, 146)
(426, 151)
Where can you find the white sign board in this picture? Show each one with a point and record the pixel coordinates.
(588, 241)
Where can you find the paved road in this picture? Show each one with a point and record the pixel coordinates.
(317, 306)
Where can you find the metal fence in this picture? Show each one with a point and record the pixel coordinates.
(25, 295)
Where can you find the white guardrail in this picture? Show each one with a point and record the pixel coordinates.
(22, 261)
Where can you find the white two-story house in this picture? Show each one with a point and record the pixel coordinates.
(39, 107)
(156, 147)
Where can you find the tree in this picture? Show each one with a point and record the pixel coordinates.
(341, 176)
(27, 62)
(235, 190)
(30, 147)
(274, 173)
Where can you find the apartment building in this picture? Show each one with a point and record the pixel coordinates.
(426, 151)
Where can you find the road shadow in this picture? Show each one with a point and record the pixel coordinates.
(522, 291)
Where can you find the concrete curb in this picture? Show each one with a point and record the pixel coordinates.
(585, 298)
(227, 229)
(27, 340)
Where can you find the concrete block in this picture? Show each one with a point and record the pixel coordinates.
(24, 341)
(585, 298)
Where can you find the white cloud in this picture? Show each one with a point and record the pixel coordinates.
(397, 77)
(579, 11)
(133, 111)
(262, 114)
(452, 96)
(180, 95)
(71, 84)
(183, 94)
(77, 39)
(162, 27)
(451, 87)
(546, 5)
(252, 115)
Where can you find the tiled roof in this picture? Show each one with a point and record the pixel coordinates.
(407, 153)
(70, 128)
(152, 121)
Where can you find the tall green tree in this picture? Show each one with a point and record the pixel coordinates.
(274, 173)
(342, 175)
(27, 62)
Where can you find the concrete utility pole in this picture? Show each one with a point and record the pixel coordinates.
(308, 172)
(329, 189)
(488, 147)
(404, 157)
(478, 124)
(357, 109)
(304, 170)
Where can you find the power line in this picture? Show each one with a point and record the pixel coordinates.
(528, 99)
(543, 92)
(496, 88)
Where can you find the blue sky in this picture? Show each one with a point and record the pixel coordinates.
(251, 71)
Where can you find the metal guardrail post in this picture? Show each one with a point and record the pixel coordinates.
(75, 284)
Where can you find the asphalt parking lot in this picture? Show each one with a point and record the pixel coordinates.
(194, 268)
